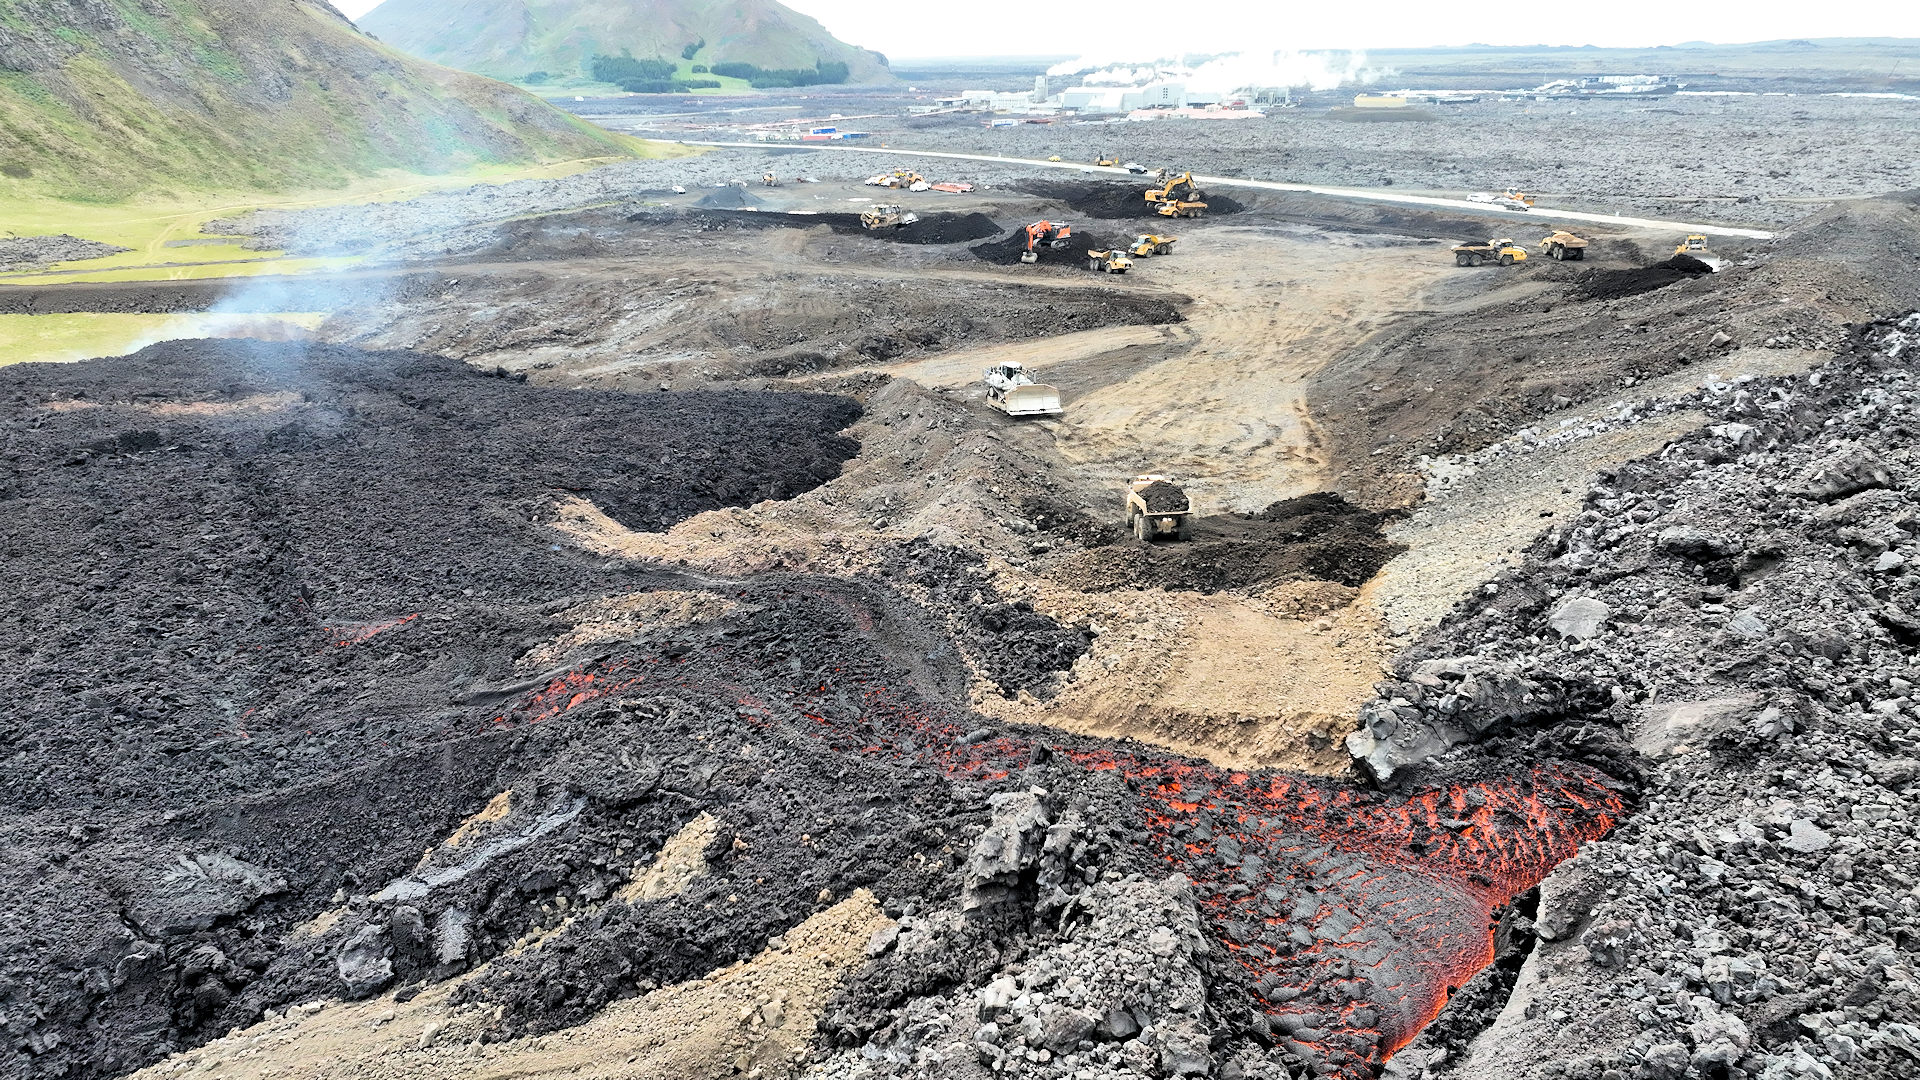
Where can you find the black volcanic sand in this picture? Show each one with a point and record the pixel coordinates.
(1319, 537)
(1614, 284)
(1111, 200)
(937, 227)
(265, 613)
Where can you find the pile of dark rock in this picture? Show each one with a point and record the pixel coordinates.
(1742, 610)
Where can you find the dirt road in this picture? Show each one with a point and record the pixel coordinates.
(1540, 215)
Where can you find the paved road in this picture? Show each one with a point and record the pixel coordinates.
(1537, 214)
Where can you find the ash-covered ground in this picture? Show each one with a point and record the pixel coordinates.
(294, 617)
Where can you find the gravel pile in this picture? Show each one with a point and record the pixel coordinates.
(1742, 610)
(40, 252)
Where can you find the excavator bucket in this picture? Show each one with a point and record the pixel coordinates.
(1033, 399)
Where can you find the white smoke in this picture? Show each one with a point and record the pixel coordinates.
(1278, 68)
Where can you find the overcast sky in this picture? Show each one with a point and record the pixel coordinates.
(1138, 29)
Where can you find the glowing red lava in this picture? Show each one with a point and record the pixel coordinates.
(1351, 915)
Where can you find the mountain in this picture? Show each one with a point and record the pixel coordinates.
(509, 39)
(103, 99)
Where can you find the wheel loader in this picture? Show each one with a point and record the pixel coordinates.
(1158, 509)
(769, 179)
(1563, 246)
(1106, 160)
(1011, 390)
(887, 217)
(1149, 244)
(1503, 251)
(1113, 261)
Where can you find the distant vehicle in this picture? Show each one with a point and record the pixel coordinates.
(1695, 245)
(1011, 390)
(769, 179)
(1181, 209)
(1563, 246)
(1106, 160)
(1134, 167)
(1113, 261)
(1503, 251)
(1158, 508)
(1055, 157)
(679, 189)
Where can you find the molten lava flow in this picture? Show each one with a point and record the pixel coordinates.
(1349, 915)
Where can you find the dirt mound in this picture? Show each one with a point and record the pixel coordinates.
(1316, 537)
(1614, 284)
(1161, 497)
(940, 227)
(1007, 249)
(1113, 200)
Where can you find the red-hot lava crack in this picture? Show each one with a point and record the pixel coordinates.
(1348, 914)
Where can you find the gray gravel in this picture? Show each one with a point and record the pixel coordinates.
(1741, 160)
(39, 252)
(1748, 603)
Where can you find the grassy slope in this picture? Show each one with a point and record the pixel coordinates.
(214, 95)
(509, 38)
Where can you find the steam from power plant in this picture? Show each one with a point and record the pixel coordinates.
(1278, 68)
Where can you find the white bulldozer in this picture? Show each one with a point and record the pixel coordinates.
(1011, 390)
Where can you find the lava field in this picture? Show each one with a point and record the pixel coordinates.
(286, 623)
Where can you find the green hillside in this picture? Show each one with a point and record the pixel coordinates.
(113, 98)
(510, 39)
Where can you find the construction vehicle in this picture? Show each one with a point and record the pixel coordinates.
(1148, 244)
(1179, 189)
(1518, 199)
(887, 217)
(1181, 209)
(1011, 390)
(1045, 236)
(1113, 261)
(1158, 509)
(769, 179)
(1563, 245)
(1695, 246)
(1055, 157)
(900, 178)
(1503, 251)
(1106, 160)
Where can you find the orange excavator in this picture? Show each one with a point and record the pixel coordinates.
(1048, 235)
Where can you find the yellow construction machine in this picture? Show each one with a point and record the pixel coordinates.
(1179, 189)
(1113, 261)
(1148, 244)
(1157, 508)
(1563, 246)
(1106, 159)
(1503, 251)
(887, 217)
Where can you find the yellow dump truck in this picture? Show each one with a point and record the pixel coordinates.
(1503, 251)
(1158, 509)
(1563, 246)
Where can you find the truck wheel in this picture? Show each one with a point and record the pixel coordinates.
(1506, 260)
(1462, 258)
(1141, 529)
(1577, 254)
(1556, 253)
(1185, 531)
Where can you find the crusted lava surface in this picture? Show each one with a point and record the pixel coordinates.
(280, 612)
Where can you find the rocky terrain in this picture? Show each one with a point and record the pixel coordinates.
(1739, 607)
